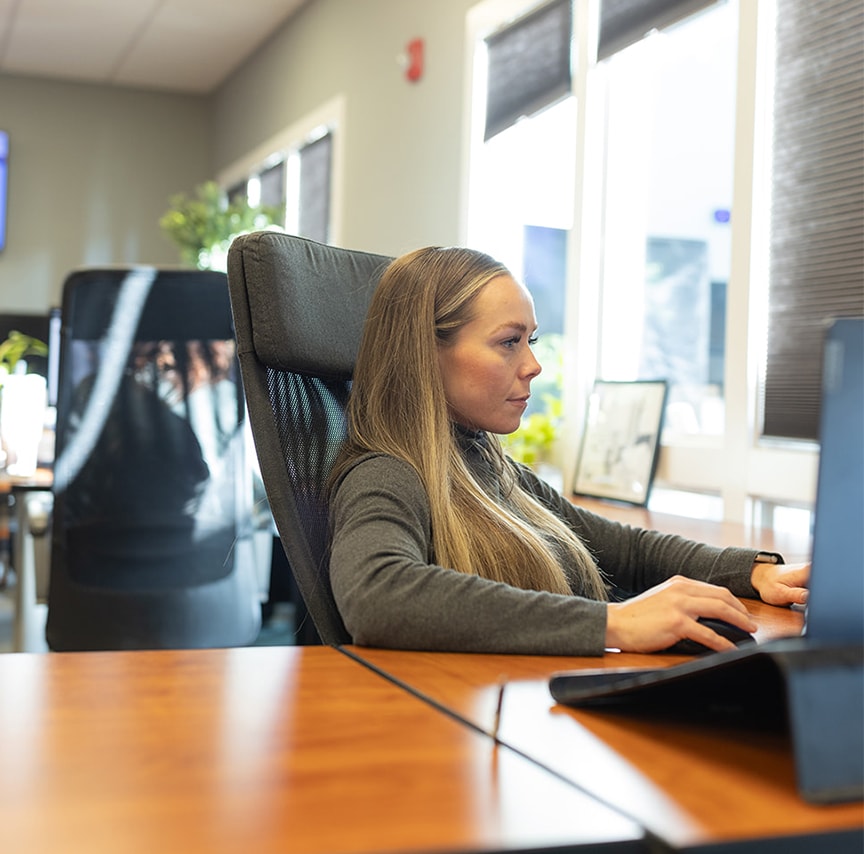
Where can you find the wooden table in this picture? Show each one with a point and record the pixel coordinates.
(690, 785)
(320, 749)
(258, 750)
(795, 546)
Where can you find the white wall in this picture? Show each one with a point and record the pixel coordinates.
(91, 170)
(403, 140)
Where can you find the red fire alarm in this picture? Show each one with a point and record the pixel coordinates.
(414, 60)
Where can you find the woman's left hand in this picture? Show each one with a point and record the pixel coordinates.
(781, 583)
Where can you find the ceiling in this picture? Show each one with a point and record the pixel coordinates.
(187, 46)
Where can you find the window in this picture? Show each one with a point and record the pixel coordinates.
(655, 175)
(296, 172)
(522, 172)
(670, 116)
(670, 111)
(313, 210)
(528, 66)
(271, 186)
(625, 22)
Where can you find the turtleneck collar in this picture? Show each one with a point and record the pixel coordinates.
(474, 445)
(469, 439)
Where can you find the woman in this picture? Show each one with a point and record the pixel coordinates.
(439, 541)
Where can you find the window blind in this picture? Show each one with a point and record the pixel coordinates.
(315, 169)
(817, 212)
(238, 192)
(624, 22)
(273, 187)
(528, 66)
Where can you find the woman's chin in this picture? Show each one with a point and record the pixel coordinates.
(505, 428)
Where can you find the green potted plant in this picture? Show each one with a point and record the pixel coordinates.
(203, 224)
(532, 443)
(16, 347)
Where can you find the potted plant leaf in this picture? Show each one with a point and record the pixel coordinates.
(203, 224)
(533, 442)
(16, 347)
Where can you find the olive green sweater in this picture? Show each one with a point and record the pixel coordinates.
(390, 593)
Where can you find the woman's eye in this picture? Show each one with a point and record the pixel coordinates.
(510, 343)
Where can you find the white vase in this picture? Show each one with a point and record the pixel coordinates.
(23, 399)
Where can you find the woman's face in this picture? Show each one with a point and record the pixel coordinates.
(488, 366)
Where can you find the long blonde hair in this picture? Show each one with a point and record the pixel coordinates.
(398, 407)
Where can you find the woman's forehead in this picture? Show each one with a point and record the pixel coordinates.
(505, 301)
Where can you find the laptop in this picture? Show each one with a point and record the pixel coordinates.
(835, 609)
(815, 682)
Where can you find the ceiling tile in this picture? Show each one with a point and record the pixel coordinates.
(179, 45)
(184, 41)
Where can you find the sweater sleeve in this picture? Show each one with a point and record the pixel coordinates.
(390, 592)
(635, 559)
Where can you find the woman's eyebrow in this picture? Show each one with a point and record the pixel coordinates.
(509, 326)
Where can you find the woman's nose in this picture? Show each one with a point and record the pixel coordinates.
(532, 366)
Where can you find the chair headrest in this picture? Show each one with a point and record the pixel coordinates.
(175, 305)
(307, 301)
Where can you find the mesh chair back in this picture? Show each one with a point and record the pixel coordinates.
(151, 537)
(299, 308)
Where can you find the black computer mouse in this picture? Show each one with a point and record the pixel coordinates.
(691, 647)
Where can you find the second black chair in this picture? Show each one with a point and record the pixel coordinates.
(152, 531)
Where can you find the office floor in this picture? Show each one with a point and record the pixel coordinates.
(278, 629)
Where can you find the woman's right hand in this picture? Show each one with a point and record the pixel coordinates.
(659, 617)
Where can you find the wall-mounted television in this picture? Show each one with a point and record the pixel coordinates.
(4, 184)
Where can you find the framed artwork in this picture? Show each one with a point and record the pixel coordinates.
(621, 440)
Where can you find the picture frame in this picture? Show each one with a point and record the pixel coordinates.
(621, 440)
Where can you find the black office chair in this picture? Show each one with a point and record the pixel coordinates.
(299, 308)
(151, 531)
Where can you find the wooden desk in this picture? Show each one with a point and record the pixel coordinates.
(447, 675)
(258, 750)
(795, 547)
(689, 785)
